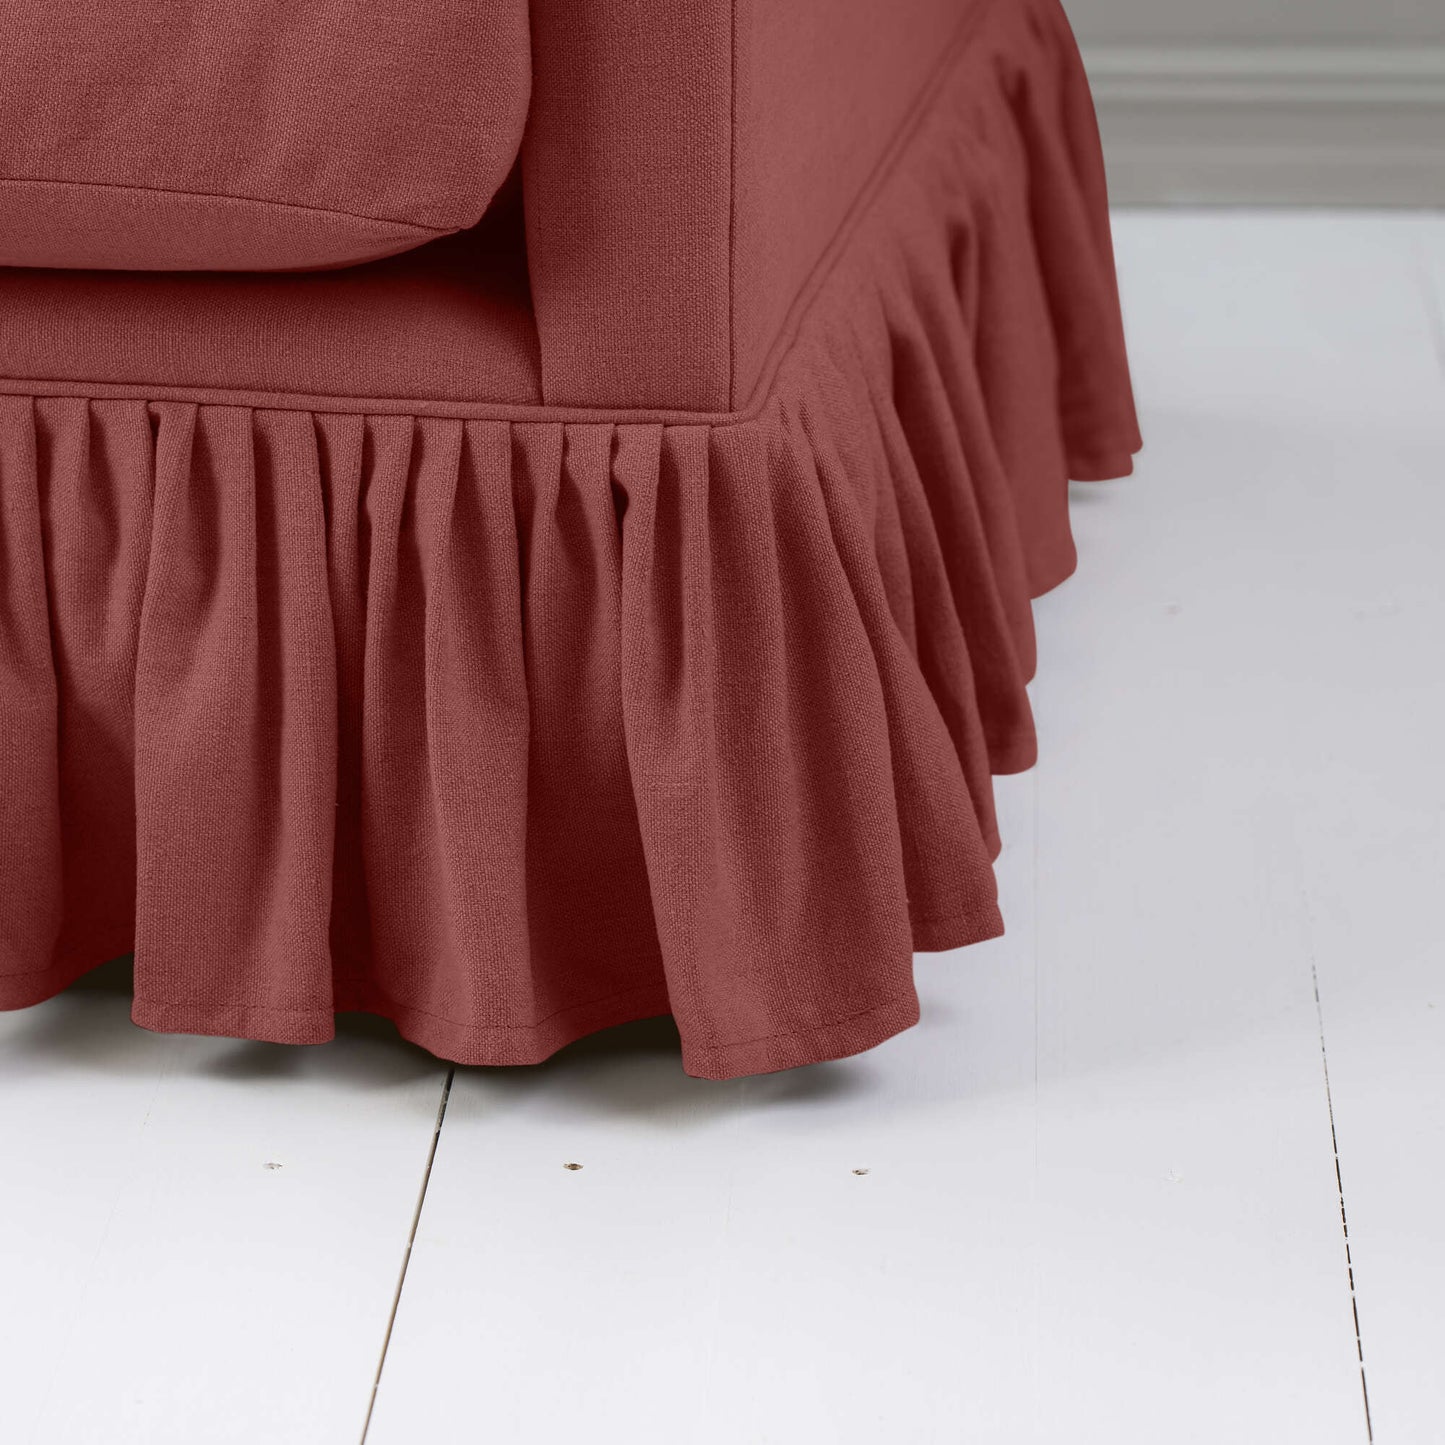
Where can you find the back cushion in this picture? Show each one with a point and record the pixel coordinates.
(252, 134)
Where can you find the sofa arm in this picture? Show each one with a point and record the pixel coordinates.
(687, 163)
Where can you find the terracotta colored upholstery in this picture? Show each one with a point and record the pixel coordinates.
(451, 321)
(516, 660)
(271, 135)
(692, 164)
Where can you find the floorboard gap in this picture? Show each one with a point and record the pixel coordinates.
(1344, 1217)
(410, 1242)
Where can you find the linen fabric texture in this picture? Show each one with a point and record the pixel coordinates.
(692, 164)
(510, 721)
(271, 135)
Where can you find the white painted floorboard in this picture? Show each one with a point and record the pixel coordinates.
(1289, 393)
(1093, 1197)
(201, 1237)
(717, 1270)
(1369, 785)
(1102, 1201)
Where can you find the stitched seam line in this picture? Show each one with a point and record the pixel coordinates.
(423, 230)
(60, 967)
(982, 910)
(805, 1033)
(520, 411)
(366, 988)
(732, 276)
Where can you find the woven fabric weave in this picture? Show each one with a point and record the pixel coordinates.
(510, 724)
(271, 135)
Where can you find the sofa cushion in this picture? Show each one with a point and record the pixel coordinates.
(270, 135)
(447, 322)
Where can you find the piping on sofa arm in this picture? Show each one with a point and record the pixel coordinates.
(687, 163)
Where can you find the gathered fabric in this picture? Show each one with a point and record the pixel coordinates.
(513, 726)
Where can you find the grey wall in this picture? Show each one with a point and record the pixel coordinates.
(1295, 101)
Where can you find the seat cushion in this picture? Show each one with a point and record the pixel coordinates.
(272, 135)
(448, 322)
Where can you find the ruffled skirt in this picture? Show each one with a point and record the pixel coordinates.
(513, 726)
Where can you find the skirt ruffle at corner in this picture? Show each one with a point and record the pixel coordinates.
(514, 730)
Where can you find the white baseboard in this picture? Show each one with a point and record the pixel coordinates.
(1288, 124)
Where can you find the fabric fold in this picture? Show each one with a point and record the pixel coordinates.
(235, 725)
(511, 727)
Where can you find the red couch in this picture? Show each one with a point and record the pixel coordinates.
(524, 518)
